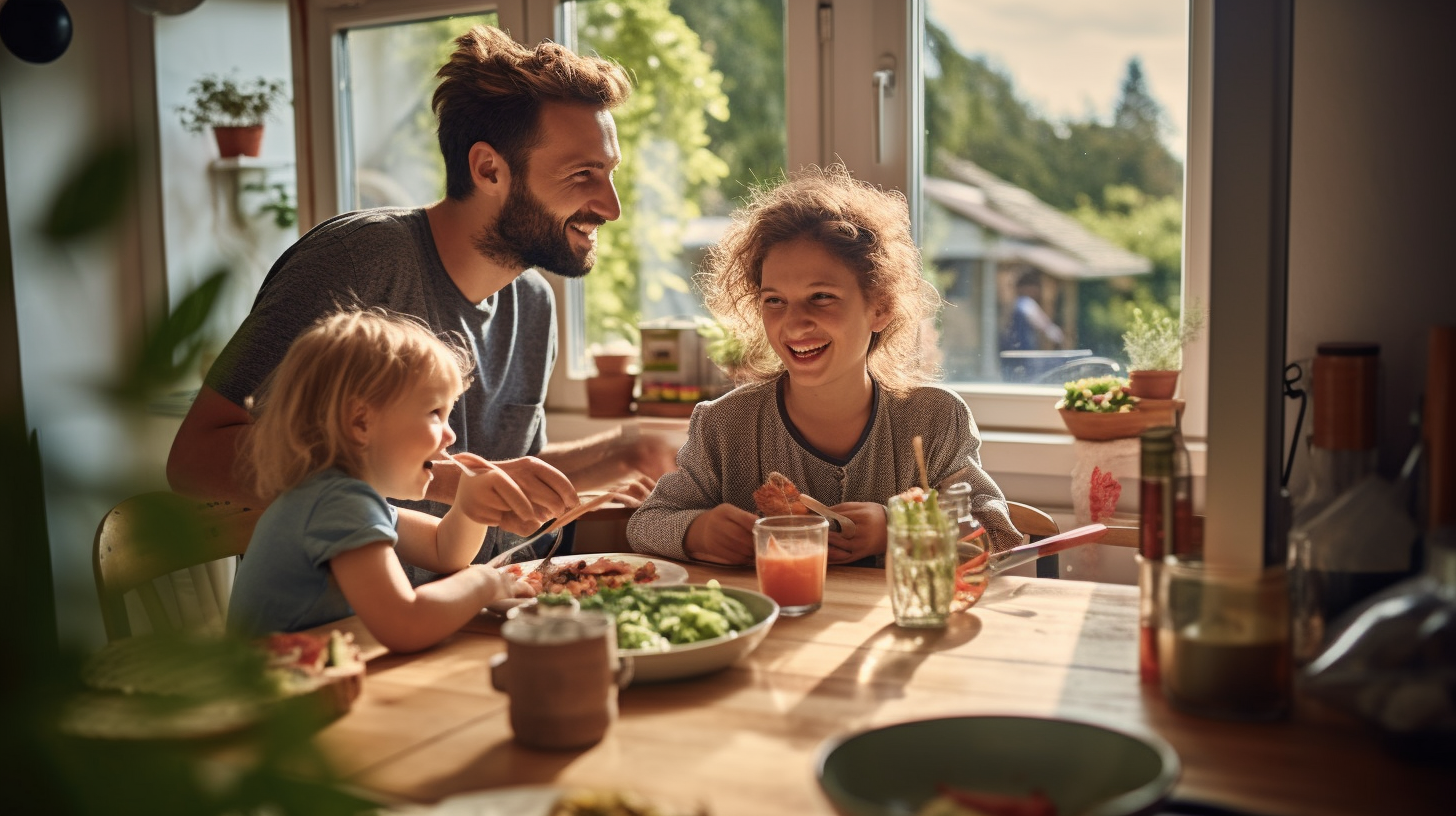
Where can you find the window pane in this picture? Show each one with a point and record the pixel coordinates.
(1053, 179)
(705, 122)
(388, 153)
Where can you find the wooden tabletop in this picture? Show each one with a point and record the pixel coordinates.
(743, 741)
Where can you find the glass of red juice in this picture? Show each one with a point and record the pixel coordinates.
(792, 556)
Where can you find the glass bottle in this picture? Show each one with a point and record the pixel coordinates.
(1156, 518)
(1185, 541)
(972, 547)
(1347, 536)
(1342, 444)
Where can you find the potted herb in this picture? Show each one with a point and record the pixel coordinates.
(1154, 345)
(234, 109)
(1100, 408)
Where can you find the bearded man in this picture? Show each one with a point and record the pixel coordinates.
(530, 146)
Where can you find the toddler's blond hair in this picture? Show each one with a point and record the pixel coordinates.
(348, 358)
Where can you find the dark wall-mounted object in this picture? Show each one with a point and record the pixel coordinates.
(35, 30)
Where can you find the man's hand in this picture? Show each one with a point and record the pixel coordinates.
(869, 532)
(516, 495)
(633, 492)
(723, 535)
(649, 454)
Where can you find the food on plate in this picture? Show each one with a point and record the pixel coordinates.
(657, 619)
(962, 802)
(190, 685)
(299, 662)
(582, 579)
(611, 803)
(778, 497)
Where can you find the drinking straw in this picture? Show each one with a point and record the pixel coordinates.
(920, 463)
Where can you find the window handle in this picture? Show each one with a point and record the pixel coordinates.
(884, 81)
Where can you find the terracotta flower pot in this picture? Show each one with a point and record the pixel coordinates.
(610, 364)
(238, 141)
(1096, 427)
(1149, 384)
(610, 395)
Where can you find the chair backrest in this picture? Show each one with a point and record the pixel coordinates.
(1036, 525)
(1032, 523)
(155, 534)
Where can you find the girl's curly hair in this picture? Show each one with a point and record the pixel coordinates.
(867, 228)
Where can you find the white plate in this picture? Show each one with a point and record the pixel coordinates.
(669, 573)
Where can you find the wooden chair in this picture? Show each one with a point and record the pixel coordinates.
(1036, 525)
(155, 534)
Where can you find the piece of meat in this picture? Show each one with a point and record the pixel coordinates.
(778, 497)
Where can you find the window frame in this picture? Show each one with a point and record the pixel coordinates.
(828, 119)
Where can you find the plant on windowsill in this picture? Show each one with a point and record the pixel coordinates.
(1100, 408)
(610, 392)
(1154, 344)
(234, 109)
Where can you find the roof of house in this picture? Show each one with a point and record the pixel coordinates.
(1042, 235)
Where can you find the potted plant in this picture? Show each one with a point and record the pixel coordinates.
(1100, 408)
(724, 348)
(1154, 345)
(234, 109)
(610, 392)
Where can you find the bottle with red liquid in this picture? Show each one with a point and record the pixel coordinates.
(1157, 523)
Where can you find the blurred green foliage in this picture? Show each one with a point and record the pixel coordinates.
(272, 766)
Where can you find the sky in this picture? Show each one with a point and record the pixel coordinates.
(1068, 57)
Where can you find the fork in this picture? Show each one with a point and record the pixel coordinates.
(541, 568)
(846, 527)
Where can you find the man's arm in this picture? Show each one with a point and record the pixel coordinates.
(204, 456)
(612, 457)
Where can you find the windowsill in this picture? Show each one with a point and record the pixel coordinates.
(1030, 466)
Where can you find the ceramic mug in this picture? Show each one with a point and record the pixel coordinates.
(562, 673)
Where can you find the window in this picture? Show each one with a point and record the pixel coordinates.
(731, 93)
(386, 142)
(705, 122)
(1051, 190)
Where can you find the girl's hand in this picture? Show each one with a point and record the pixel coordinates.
(723, 535)
(491, 497)
(869, 532)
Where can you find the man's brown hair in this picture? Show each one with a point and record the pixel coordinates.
(492, 88)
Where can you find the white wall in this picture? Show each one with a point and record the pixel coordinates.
(208, 222)
(1372, 179)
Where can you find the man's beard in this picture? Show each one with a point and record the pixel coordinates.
(526, 235)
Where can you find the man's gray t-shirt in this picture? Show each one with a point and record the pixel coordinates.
(387, 257)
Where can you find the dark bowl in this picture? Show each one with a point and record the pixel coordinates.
(1083, 768)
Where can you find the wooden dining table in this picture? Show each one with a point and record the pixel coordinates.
(744, 740)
